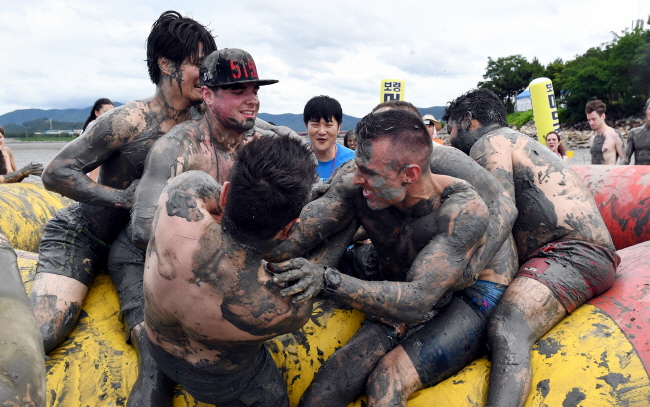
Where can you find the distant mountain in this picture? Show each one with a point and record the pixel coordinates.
(60, 115)
(23, 120)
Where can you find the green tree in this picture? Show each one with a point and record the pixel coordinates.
(617, 73)
(507, 77)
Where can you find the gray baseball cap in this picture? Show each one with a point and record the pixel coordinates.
(228, 66)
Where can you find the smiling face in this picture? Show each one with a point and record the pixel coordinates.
(647, 112)
(552, 142)
(379, 173)
(352, 142)
(322, 135)
(235, 107)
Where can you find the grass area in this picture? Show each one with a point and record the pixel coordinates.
(42, 138)
(520, 118)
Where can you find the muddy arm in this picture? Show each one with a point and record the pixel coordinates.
(462, 226)
(333, 250)
(66, 174)
(629, 150)
(320, 219)
(162, 164)
(503, 211)
(21, 174)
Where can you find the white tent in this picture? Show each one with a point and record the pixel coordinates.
(523, 101)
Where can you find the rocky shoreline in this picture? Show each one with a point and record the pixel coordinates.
(574, 136)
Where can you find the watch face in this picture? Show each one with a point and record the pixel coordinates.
(333, 279)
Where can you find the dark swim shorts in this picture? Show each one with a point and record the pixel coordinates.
(259, 384)
(71, 246)
(455, 337)
(574, 270)
(126, 268)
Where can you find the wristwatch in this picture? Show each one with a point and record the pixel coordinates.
(331, 280)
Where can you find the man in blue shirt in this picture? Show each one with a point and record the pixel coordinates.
(323, 116)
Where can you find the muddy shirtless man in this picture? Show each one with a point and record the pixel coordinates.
(77, 240)
(426, 227)
(565, 251)
(210, 302)
(207, 144)
(9, 172)
(638, 141)
(606, 145)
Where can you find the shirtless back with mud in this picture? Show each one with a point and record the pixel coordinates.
(211, 301)
(553, 202)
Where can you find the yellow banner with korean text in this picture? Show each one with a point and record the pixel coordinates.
(391, 89)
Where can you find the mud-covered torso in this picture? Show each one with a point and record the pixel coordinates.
(596, 149)
(641, 138)
(201, 152)
(552, 201)
(398, 235)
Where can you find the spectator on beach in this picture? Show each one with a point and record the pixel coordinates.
(638, 142)
(433, 127)
(350, 140)
(8, 171)
(323, 116)
(606, 145)
(100, 107)
(554, 143)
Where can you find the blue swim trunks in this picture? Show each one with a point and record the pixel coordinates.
(483, 296)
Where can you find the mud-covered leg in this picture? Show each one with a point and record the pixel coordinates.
(152, 388)
(441, 348)
(342, 378)
(56, 301)
(527, 311)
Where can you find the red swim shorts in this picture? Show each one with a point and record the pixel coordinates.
(574, 270)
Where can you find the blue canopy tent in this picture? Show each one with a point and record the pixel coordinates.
(523, 101)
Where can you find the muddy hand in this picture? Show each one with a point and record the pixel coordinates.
(308, 275)
(128, 196)
(319, 189)
(32, 169)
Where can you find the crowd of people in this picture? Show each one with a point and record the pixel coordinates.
(219, 231)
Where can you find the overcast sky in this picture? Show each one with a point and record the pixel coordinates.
(66, 54)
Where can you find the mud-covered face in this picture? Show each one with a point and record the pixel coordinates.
(322, 135)
(237, 107)
(552, 142)
(462, 138)
(379, 173)
(185, 78)
(595, 120)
